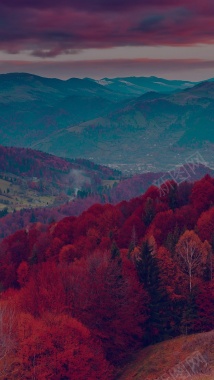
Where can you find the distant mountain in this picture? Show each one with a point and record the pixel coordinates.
(137, 86)
(155, 130)
(33, 107)
(111, 121)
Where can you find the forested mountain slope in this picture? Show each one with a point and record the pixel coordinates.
(116, 278)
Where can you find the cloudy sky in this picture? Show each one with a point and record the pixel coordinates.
(98, 38)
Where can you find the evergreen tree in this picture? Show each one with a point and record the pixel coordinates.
(208, 269)
(149, 212)
(133, 242)
(32, 218)
(189, 314)
(115, 252)
(172, 239)
(173, 196)
(158, 325)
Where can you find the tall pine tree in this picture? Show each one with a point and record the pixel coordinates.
(158, 325)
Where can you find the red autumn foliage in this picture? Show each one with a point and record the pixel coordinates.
(82, 300)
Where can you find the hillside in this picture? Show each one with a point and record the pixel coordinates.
(38, 187)
(194, 355)
(30, 179)
(138, 184)
(80, 298)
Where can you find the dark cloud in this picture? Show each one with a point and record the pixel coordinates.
(163, 20)
(89, 5)
(150, 23)
(49, 28)
(103, 5)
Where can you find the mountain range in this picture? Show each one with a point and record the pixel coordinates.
(156, 131)
(152, 122)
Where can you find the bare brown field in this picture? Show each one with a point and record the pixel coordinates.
(192, 355)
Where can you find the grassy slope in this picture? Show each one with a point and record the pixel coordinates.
(155, 362)
(19, 198)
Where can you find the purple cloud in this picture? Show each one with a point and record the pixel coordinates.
(49, 28)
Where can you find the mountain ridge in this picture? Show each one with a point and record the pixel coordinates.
(179, 123)
(82, 118)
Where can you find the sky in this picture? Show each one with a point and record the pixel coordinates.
(108, 38)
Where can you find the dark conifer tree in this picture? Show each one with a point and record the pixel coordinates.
(133, 242)
(149, 212)
(189, 314)
(115, 252)
(172, 239)
(158, 325)
(173, 197)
